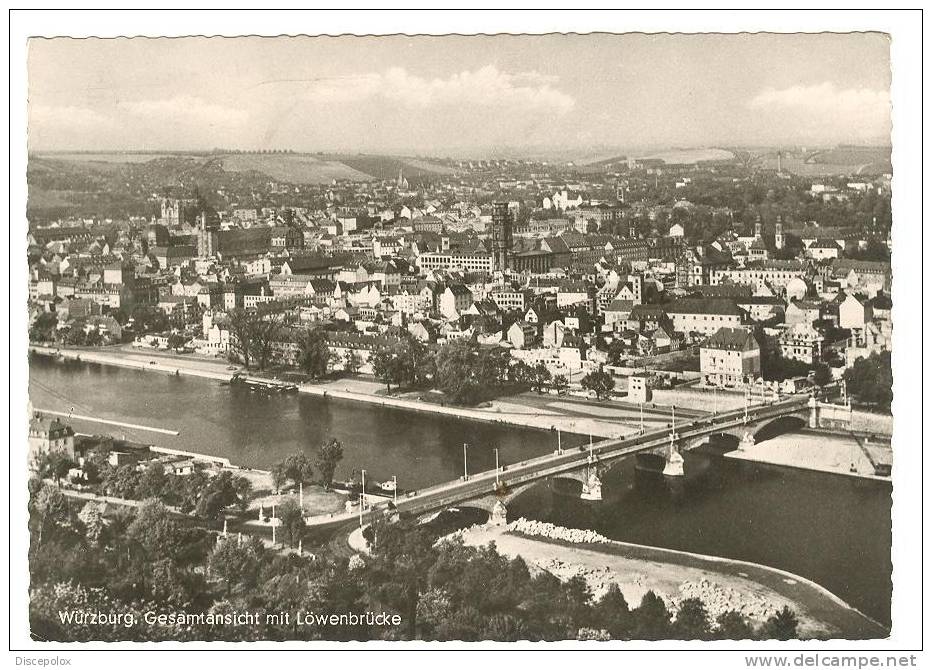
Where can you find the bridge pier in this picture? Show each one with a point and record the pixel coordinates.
(499, 514)
(813, 412)
(674, 466)
(592, 486)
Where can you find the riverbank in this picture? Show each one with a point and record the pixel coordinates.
(849, 455)
(754, 590)
(349, 389)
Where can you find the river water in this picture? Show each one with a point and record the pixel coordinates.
(832, 529)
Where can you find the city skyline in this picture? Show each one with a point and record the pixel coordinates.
(453, 96)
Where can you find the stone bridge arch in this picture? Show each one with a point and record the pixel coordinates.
(496, 504)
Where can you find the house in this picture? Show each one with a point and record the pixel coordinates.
(48, 434)
(802, 342)
(854, 313)
(573, 293)
(455, 299)
(554, 334)
(617, 313)
(730, 357)
(704, 315)
(522, 334)
(802, 311)
(823, 249)
(644, 317)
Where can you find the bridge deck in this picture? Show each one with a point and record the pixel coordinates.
(483, 484)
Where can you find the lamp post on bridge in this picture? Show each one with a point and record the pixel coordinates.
(465, 471)
(362, 497)
(497, 469)
(559, 443)
(642, 417)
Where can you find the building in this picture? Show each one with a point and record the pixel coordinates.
(48, 434)
(730, 357)
(455, 299)
(501, 236)
(854, 313)
(456, 262)
(508, 299)
(802, 342)
(704, 315)
(638, 389)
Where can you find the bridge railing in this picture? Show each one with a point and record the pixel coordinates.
(549, 464)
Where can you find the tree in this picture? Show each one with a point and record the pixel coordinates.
(404, 363)
(314, 355)
(822, 374)
(291, 520)
(692, 621)
(352, 361)
(236, 562)
(612, 613)
(600, 382)
(153, 483)
(154, 530)
(774, 367)
(541, 376)
(460, 371)
(92, 517)
(732, 625)
(387, 367)
(176, 341)
(560, 383)
(55, 464)
(253, 333)
(221, 491)
(296, 468)
(240, 325)
(871, 379)
(43, 328)
(49, 509)
(651, 619)
(328, 455)
(780, 626)
(121, 481)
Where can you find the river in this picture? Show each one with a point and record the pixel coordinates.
(829, 528)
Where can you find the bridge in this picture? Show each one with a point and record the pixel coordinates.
(493, 490)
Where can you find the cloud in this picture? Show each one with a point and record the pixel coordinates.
(64, 116)
(857, 111)
(822, 97)
(187, 110)
(485, 87)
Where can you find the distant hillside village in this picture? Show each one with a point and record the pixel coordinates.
(712, 274)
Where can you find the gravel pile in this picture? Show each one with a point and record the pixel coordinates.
(719, 599)
(544, 529)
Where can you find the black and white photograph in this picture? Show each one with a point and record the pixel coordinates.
(464, 337)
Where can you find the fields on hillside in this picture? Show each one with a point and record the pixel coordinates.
(689, 156)
(102, 157)
(292, 168)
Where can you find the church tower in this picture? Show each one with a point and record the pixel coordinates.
(778, 234)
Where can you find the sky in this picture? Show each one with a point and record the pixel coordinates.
(459, 96)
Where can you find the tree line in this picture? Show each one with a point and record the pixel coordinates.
(146, 560)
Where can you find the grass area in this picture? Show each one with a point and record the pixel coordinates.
(293, 168)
